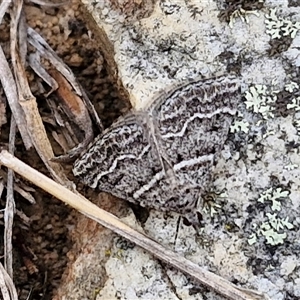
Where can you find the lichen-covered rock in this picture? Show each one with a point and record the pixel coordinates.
(250, 227)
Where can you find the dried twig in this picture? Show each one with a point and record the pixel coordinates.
(28, 103)
(35, 64)
(3, 288)
(110, 221)
(62, 80)
(17, 188)
(76, 111)
(10, 206)
(49, 4)
(10, 89)
(4, 5)
(45, 50)
(7, 286)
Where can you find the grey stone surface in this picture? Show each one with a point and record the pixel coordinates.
(250, 232)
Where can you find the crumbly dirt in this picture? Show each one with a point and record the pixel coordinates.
(42, 242)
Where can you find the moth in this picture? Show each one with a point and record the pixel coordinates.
(163, 157)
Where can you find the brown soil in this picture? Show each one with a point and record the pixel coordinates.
(41, 244)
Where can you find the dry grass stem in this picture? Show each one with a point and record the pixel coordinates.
(7, 287)
(76, 104)
(35, 64)
(46, 51)
(4, 5)
(76, 111)
(110, 221)
(2, 185)
(49, 4)
(3, 288)
(3, 119)
(9, 211)
(17, 188)
(10, 89)
(28, 103)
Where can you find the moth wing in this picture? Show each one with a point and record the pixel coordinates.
(193, 123)
(119, 160)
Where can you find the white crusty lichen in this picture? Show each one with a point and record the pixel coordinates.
(295, 104)
(274, 196)
(273, 228)
(291, 86)
(242, 125)
(291, 167)
(259, 99)
(278, 27)
(297, 126)
(243, 15)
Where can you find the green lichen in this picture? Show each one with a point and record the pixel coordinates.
(273, 238)
(274, 196)
(268, 102)
(273, 229)
(281, 31)
(260, 100)
(278, 223)
(240, 126)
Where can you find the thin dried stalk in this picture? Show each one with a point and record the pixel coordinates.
(17, 188)
(22, 38)
(9, 211)
(75, 109)
(34, 62)
(3, 288)
(1, 186)
(110, 221)
(10, 89)
(45, 50)
(7, 287)
(3, 119)
(3, 8)
(49, 4)
(28, 103)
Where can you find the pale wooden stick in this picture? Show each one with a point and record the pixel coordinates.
(110, 221)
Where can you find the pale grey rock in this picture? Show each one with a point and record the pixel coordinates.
(257, 177)
(293, 53)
